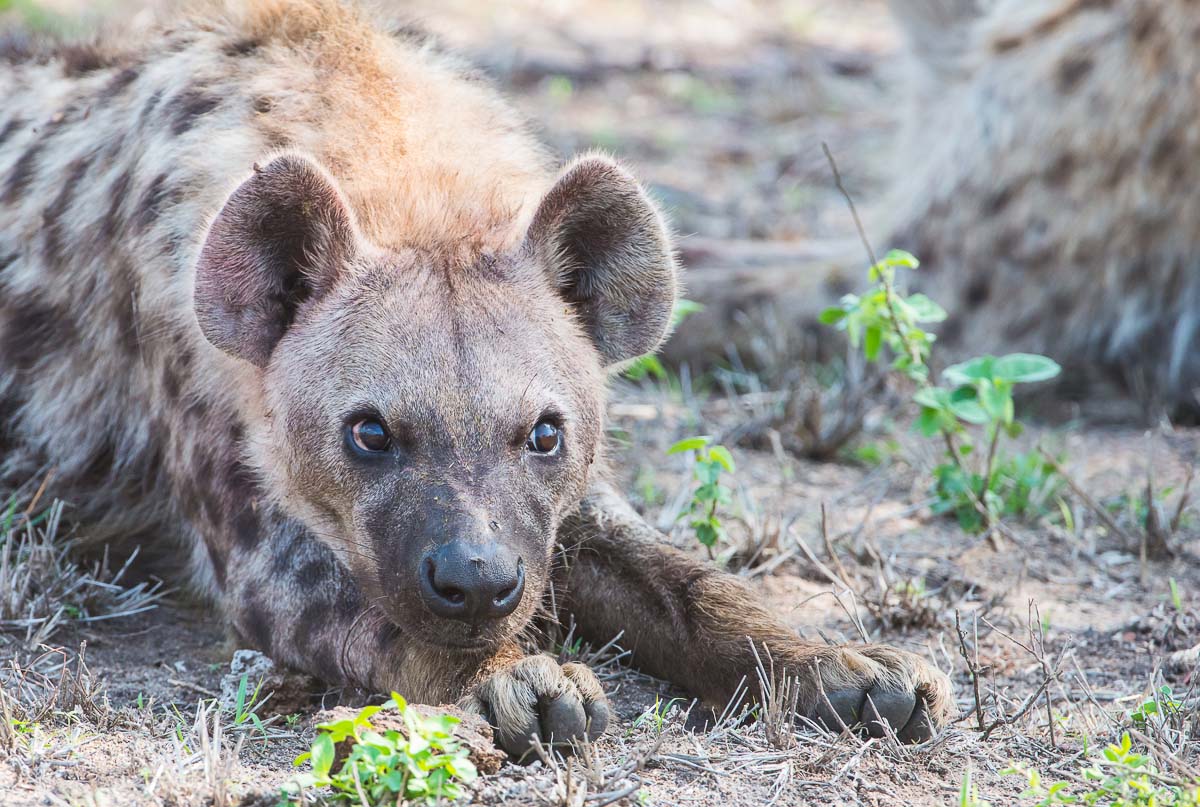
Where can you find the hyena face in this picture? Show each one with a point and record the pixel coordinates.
(433, 415)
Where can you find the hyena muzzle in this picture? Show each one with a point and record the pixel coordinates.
(298, 296)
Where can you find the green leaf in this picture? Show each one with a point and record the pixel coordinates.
(684, 309)
(706, 533)
(872, 342)
(997, 401)
(969, 412)
(924, 309)
(689, 444)
(322, 754)
(721, 455)
(831, 316)
(1025, 368)
(928, 422)
(970, 371)
(645, 367)
(898, 257)
(932, 398)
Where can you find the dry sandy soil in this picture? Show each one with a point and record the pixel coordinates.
(722, 106)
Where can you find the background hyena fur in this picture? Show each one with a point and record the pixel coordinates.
(117, 163)
(1049, 168)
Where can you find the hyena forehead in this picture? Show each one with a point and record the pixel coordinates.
(420, 337)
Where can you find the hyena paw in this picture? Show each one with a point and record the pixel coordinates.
(867, 687)
(536, 700)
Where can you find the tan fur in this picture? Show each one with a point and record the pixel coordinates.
(224, 246)
(1047, 181)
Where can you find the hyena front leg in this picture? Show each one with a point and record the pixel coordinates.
(694, 625)
(287, 595)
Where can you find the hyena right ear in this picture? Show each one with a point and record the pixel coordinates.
(609, 251)
(279, 242)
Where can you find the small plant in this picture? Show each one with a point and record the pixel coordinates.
(656, 714)
(423, 764)
(974, 393)
(1176, 596)
(246, 705)
(968, 794)
(1120, 777)
(710, 462)
(1160, 707)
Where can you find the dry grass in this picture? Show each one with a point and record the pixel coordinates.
(45, 586)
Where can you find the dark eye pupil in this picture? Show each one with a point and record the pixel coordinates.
(370, 435)
(544, 438)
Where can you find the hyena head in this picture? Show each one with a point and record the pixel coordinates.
(432, 414)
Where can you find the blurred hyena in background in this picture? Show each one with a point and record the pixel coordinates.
(1045, 175)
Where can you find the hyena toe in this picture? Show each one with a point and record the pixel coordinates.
(535, 701)
(877, 689)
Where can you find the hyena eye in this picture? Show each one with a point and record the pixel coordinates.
(544, 438)
(369, 435)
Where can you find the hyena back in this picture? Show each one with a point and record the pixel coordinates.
(301, 298)
(1047, 180)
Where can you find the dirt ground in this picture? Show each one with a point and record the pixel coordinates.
(722, 106)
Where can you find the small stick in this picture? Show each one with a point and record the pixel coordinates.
(972, 666)
(1088, 500)
(837, 562)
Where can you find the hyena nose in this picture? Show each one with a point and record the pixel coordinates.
(471, 582)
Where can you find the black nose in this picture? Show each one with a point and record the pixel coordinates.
(472, 582)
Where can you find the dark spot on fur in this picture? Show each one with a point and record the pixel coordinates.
(33, 329)
(117, 84)
(325, 662)
(1164, 152)
(14, 123)
(197, 409)
(149, 207)
(189, 106)
(241, 47)
(256, 625)
(263, 104)
(310, 618)
(218, 565)
(313, 573)
(1059, 172)
(994, 203)
(22, 172)
(171, 382)
(387, 635)
(6, 260)
(126, 289)
(54, 215)
(110, 224)
(1072, 71)
(151, 105)
(1145, 23)
(977, 292)
(1119, 169)
(247, 529)
(100, 467)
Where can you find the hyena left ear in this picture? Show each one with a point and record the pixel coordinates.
(610, 251)
(279, 242)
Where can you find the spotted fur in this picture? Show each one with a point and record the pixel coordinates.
(222, 238)
(1048, 180)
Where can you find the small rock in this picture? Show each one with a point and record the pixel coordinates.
(288, 691)
(473, 733)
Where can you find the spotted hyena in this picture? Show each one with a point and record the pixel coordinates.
(1048, 181)
(300, 298)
